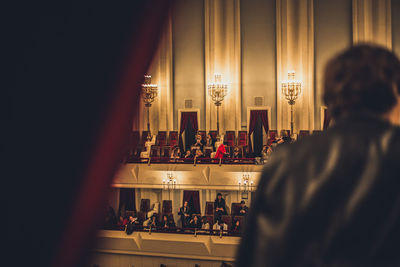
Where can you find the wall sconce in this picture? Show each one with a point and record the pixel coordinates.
(246, 184)
(170, 182)
(291, 90)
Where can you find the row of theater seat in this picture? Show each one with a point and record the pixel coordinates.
(166, 209)
(165, 141)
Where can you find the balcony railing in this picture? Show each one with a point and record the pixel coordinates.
(194, 161)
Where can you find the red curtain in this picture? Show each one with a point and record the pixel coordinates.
(192, 197)
(77, 70)
(327, 119)
(185, 118)
(254, 115)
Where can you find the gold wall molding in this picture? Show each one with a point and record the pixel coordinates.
(295, 51)
(222, 55)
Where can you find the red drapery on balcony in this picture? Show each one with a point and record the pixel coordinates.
(254, 115)
(187, 117)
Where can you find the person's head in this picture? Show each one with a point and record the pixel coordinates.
(195, 218)
(237, 223)
(219, 196)
(131, 218)
(199, 153)
(242, 203)
(363, 79)
(165, 218)
(284, 133)
(185, 203)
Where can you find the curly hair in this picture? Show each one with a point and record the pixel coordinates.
(362, 79)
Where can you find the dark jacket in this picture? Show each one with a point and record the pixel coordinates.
(331, 199)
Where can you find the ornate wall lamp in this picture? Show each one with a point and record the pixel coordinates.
(149, 94)
(169, 182)
(246, 184)
(291, 89)
(217, 91)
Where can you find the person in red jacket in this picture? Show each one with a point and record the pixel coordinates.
(221, 151)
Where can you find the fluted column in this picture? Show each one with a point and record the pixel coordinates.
(222, 55)
(372, 22)
(295, 51)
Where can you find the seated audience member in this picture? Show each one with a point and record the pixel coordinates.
(122, 221)
(188, 154)
(132, 224)
(266, 152)
(185, 213)
(236, 226)
(166, 223)
(285, 138)
(150, 142)
(220, 207)
(151, 222)
(154, 210)
(199, 142)
(236, 153)
(346, 177)
(199, 154)
(220, 225)
(221, 152)
(210, 141)
(204, 223)
(176, 153)
(195, 222)
(243, 208)
(110, 219)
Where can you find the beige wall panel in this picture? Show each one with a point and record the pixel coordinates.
(295, 51)
(188, 56)
(333, 33)
(258, 55)
(396, 26)
(222, 56)
(372, 22)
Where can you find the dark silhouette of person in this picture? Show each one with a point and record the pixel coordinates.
(333, 198)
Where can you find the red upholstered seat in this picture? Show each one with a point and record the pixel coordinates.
(166, 207)
(144, 205)
(161, 138)
(242, 140)
(141, 215)
(203, 135)
(155, 151)
(271, 136)
(209, 209)
(235, 207)
(241, 219)
(214, 134)
(173, 138)
(230, 138)
(227, 219)
(144, 138)
(133, 142)
(303, 133)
